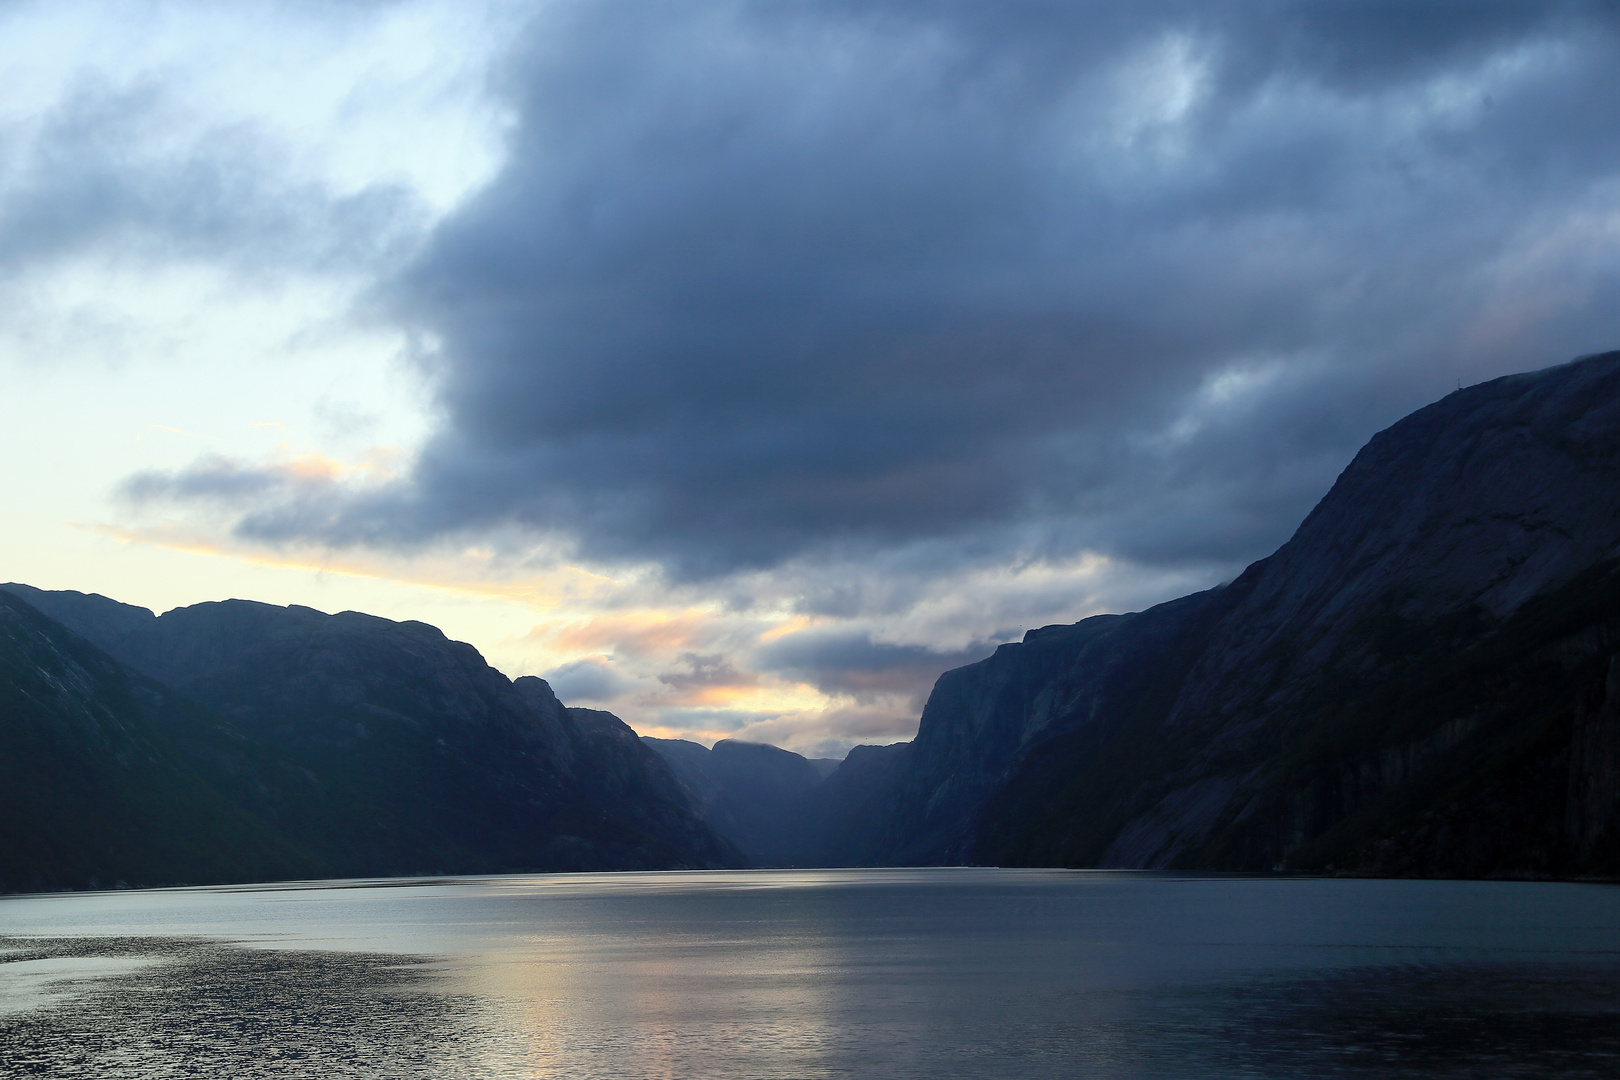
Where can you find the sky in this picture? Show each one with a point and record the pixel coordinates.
(741, 366)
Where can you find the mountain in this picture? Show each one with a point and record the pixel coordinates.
(851, 818)
(99, 778)
(753, 794)
(384, 748)
(825, 766)
(1423, 680)
(920, 803)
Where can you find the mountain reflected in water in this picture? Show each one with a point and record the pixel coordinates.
(823, 974)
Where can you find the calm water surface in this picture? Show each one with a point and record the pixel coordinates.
(775, 974)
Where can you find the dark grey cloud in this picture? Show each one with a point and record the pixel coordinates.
(839, 662)
(591, 679)
(706, 669)
(209, 478)
(764, 280)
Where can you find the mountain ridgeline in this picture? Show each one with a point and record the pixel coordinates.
(1424, 680)
(316, 746)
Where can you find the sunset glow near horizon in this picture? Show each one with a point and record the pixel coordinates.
(740, 367)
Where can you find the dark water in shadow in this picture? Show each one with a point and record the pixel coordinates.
(946, 973)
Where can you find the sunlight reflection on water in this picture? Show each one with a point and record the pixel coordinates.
(816, 974)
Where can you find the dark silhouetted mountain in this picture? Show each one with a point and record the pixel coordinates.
(403, 751)
(100, 781)
(1423, 680)
(688, 759)
(752, 793)
(851, 818)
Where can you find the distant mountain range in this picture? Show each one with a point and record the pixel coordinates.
(1425, 680)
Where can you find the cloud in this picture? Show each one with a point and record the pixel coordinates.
(840, 662)
(124, 170)
(591, 680)
(310, 483)
(846, 340)
(831, 732)
(705, 672)
(760, 282)
(828, 732)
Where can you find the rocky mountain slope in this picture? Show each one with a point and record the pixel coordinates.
(1422, 680)
(385, 748)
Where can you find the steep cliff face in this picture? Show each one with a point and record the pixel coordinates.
(753, 794)
(1435, 748)
(109, 777)
(1417, 682)
(608, 754)
(851, 817)
(1472, 752)
(1377, 675)
(981, 719)
(406, 752)
(1465, 509)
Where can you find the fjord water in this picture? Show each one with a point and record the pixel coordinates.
(756, 974)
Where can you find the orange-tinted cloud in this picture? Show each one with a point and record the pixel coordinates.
(632, 633)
